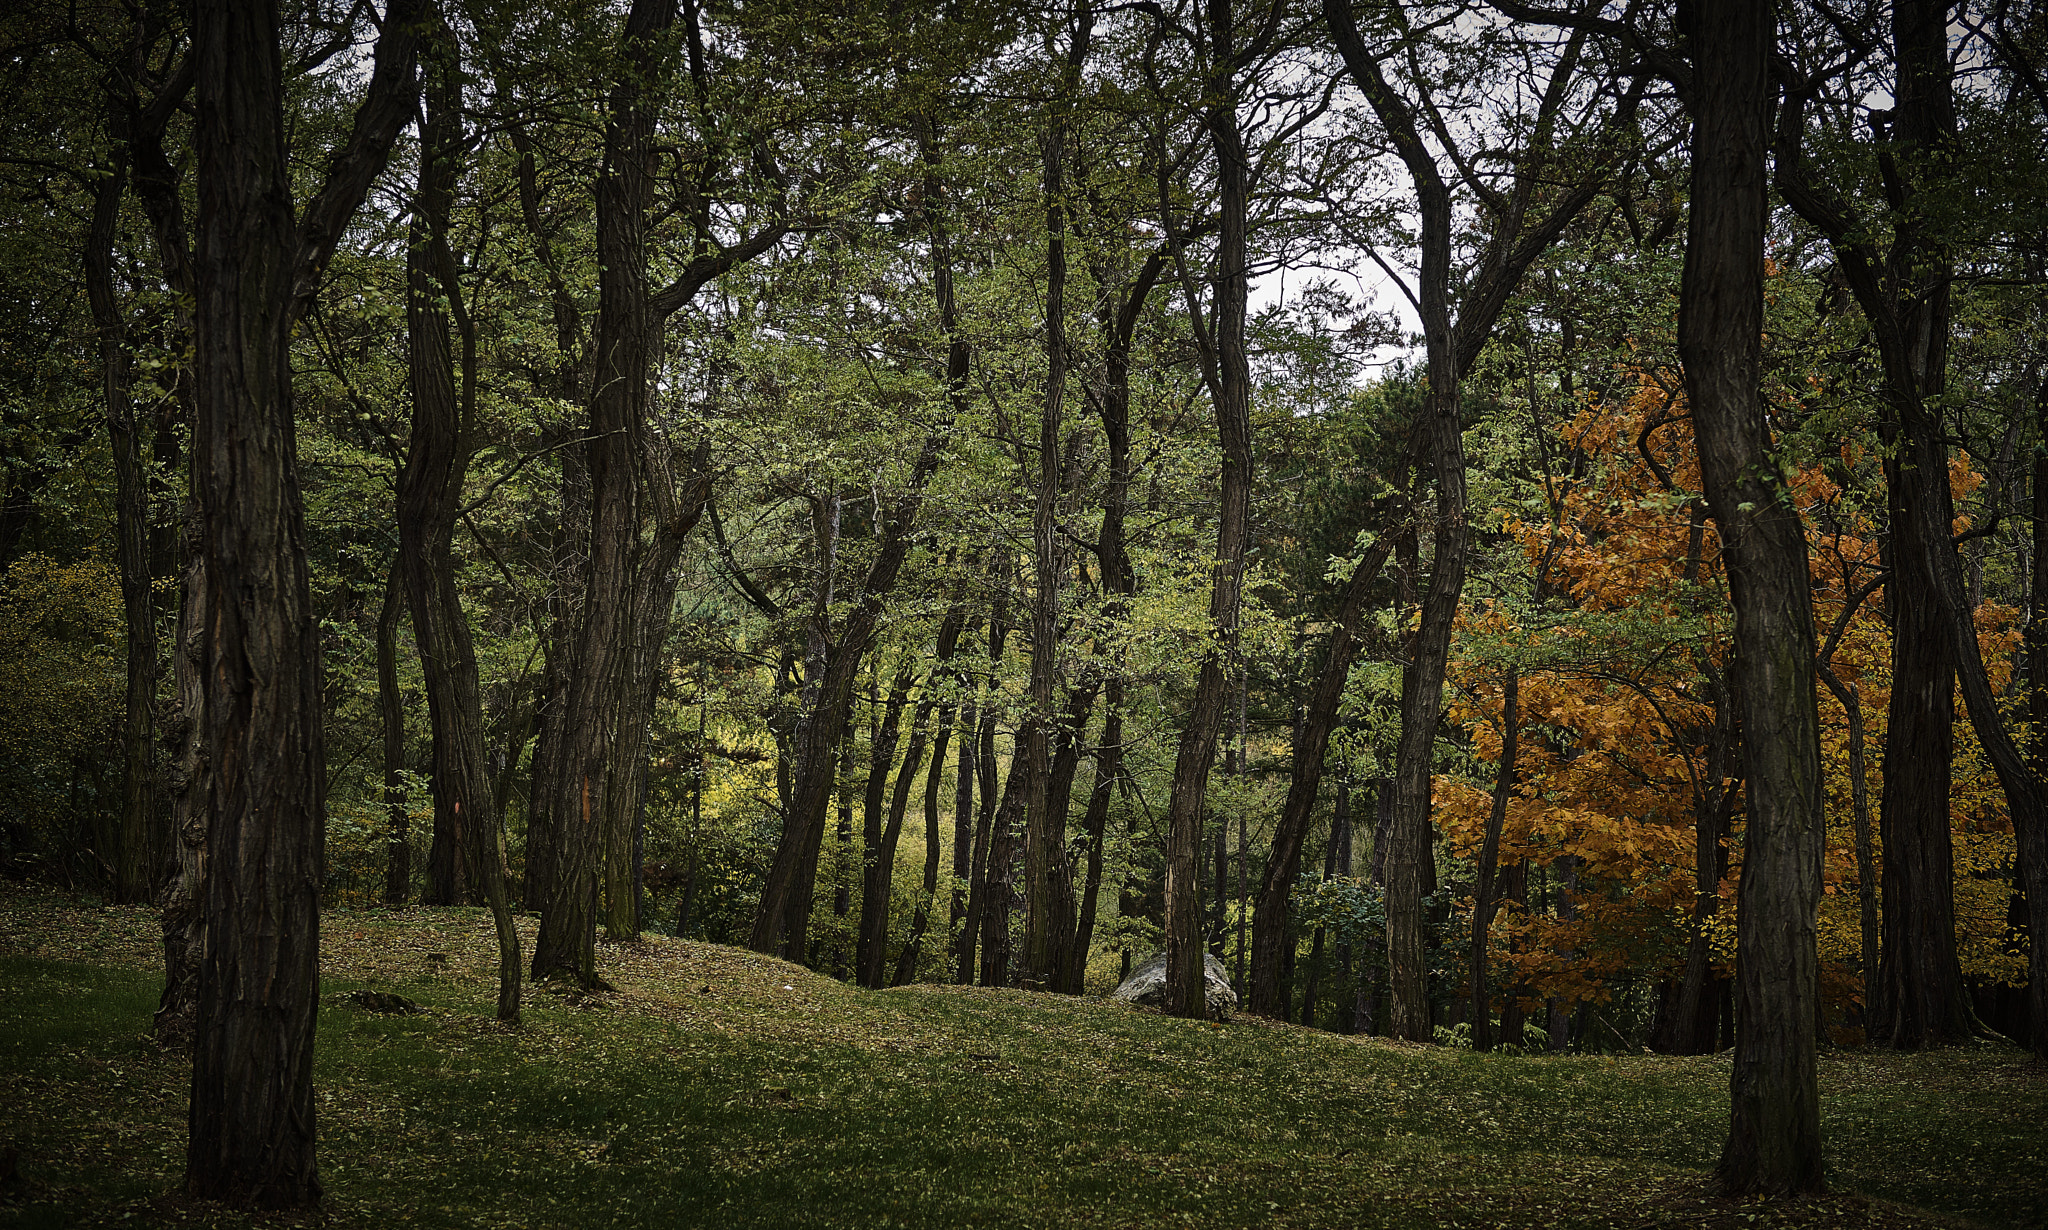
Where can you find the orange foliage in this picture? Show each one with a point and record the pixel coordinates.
(1618, 693)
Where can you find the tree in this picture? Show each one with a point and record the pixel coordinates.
(1905, 290)
(430, 495)
(1520, 226)
(1774, 1122)
(636, 476)
(1225, 54)
(255, 270)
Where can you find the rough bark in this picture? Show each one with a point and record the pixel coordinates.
(566, 945)
(1774, 1123)
(252, 1113)
(430, 492)
(645, 498)
(191, 792)
(1903, 291)
(1227, 372)
(1917, 997)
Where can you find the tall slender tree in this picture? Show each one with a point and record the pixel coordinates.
(1774, 1119)
(1458, 311)
(256, 268)
(430, 495)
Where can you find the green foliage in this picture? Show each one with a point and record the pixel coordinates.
(61, 651)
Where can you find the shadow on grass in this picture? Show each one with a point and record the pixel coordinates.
(719, 1088)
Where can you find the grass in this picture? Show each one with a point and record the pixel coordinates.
(720, 1088)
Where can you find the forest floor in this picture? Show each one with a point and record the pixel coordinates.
(716, 1087)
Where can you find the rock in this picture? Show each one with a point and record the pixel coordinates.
(383, 1001)
(1147, 986)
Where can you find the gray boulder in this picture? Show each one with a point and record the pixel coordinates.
(1147, 986)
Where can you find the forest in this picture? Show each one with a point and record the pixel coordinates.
(1511, 526)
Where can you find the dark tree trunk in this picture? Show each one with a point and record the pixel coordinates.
(1340, 818)
(1095, 825)
(880, 832)
(1219, 850)
(252, 1116)
(1453, 342)
(984, 759)
(157, 183)
(783, 920)
(1119, 320)
(568, 548)
(928, 903)
(130, 860)
(842, 858)
(998, 896)
(429, 504)
(644, 501)
(1270, 929)
(1227, 372)
(597, 668)
(1691, 1025)
(191, 794)
(1774, 1129)
(1904, 294)
(1917, 998)
(1049, 906)
(1515, 888)
(652, 608)
(964, 777)
(1484, 900)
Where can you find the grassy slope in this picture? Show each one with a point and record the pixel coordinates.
(720, 1088)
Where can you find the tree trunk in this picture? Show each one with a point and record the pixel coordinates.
(1049, 907)
(1859, 819)
(1484, 901)
(998, 898)
(1693, 1022)
(653, 606)
(1774, 1130)
(1270, 930)
(880, 832)
(597, 670)
(130, 859)
(961, 937)
(429, 504)
(928, 902)
(1227, 372)
(568, 550)
(252, 1118)
(1452, 344)
(984, 759)
(1917, 998)
(191, 791)
(1904, 294)
(1095, 824)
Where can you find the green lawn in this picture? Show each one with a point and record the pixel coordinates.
(719, 1088)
